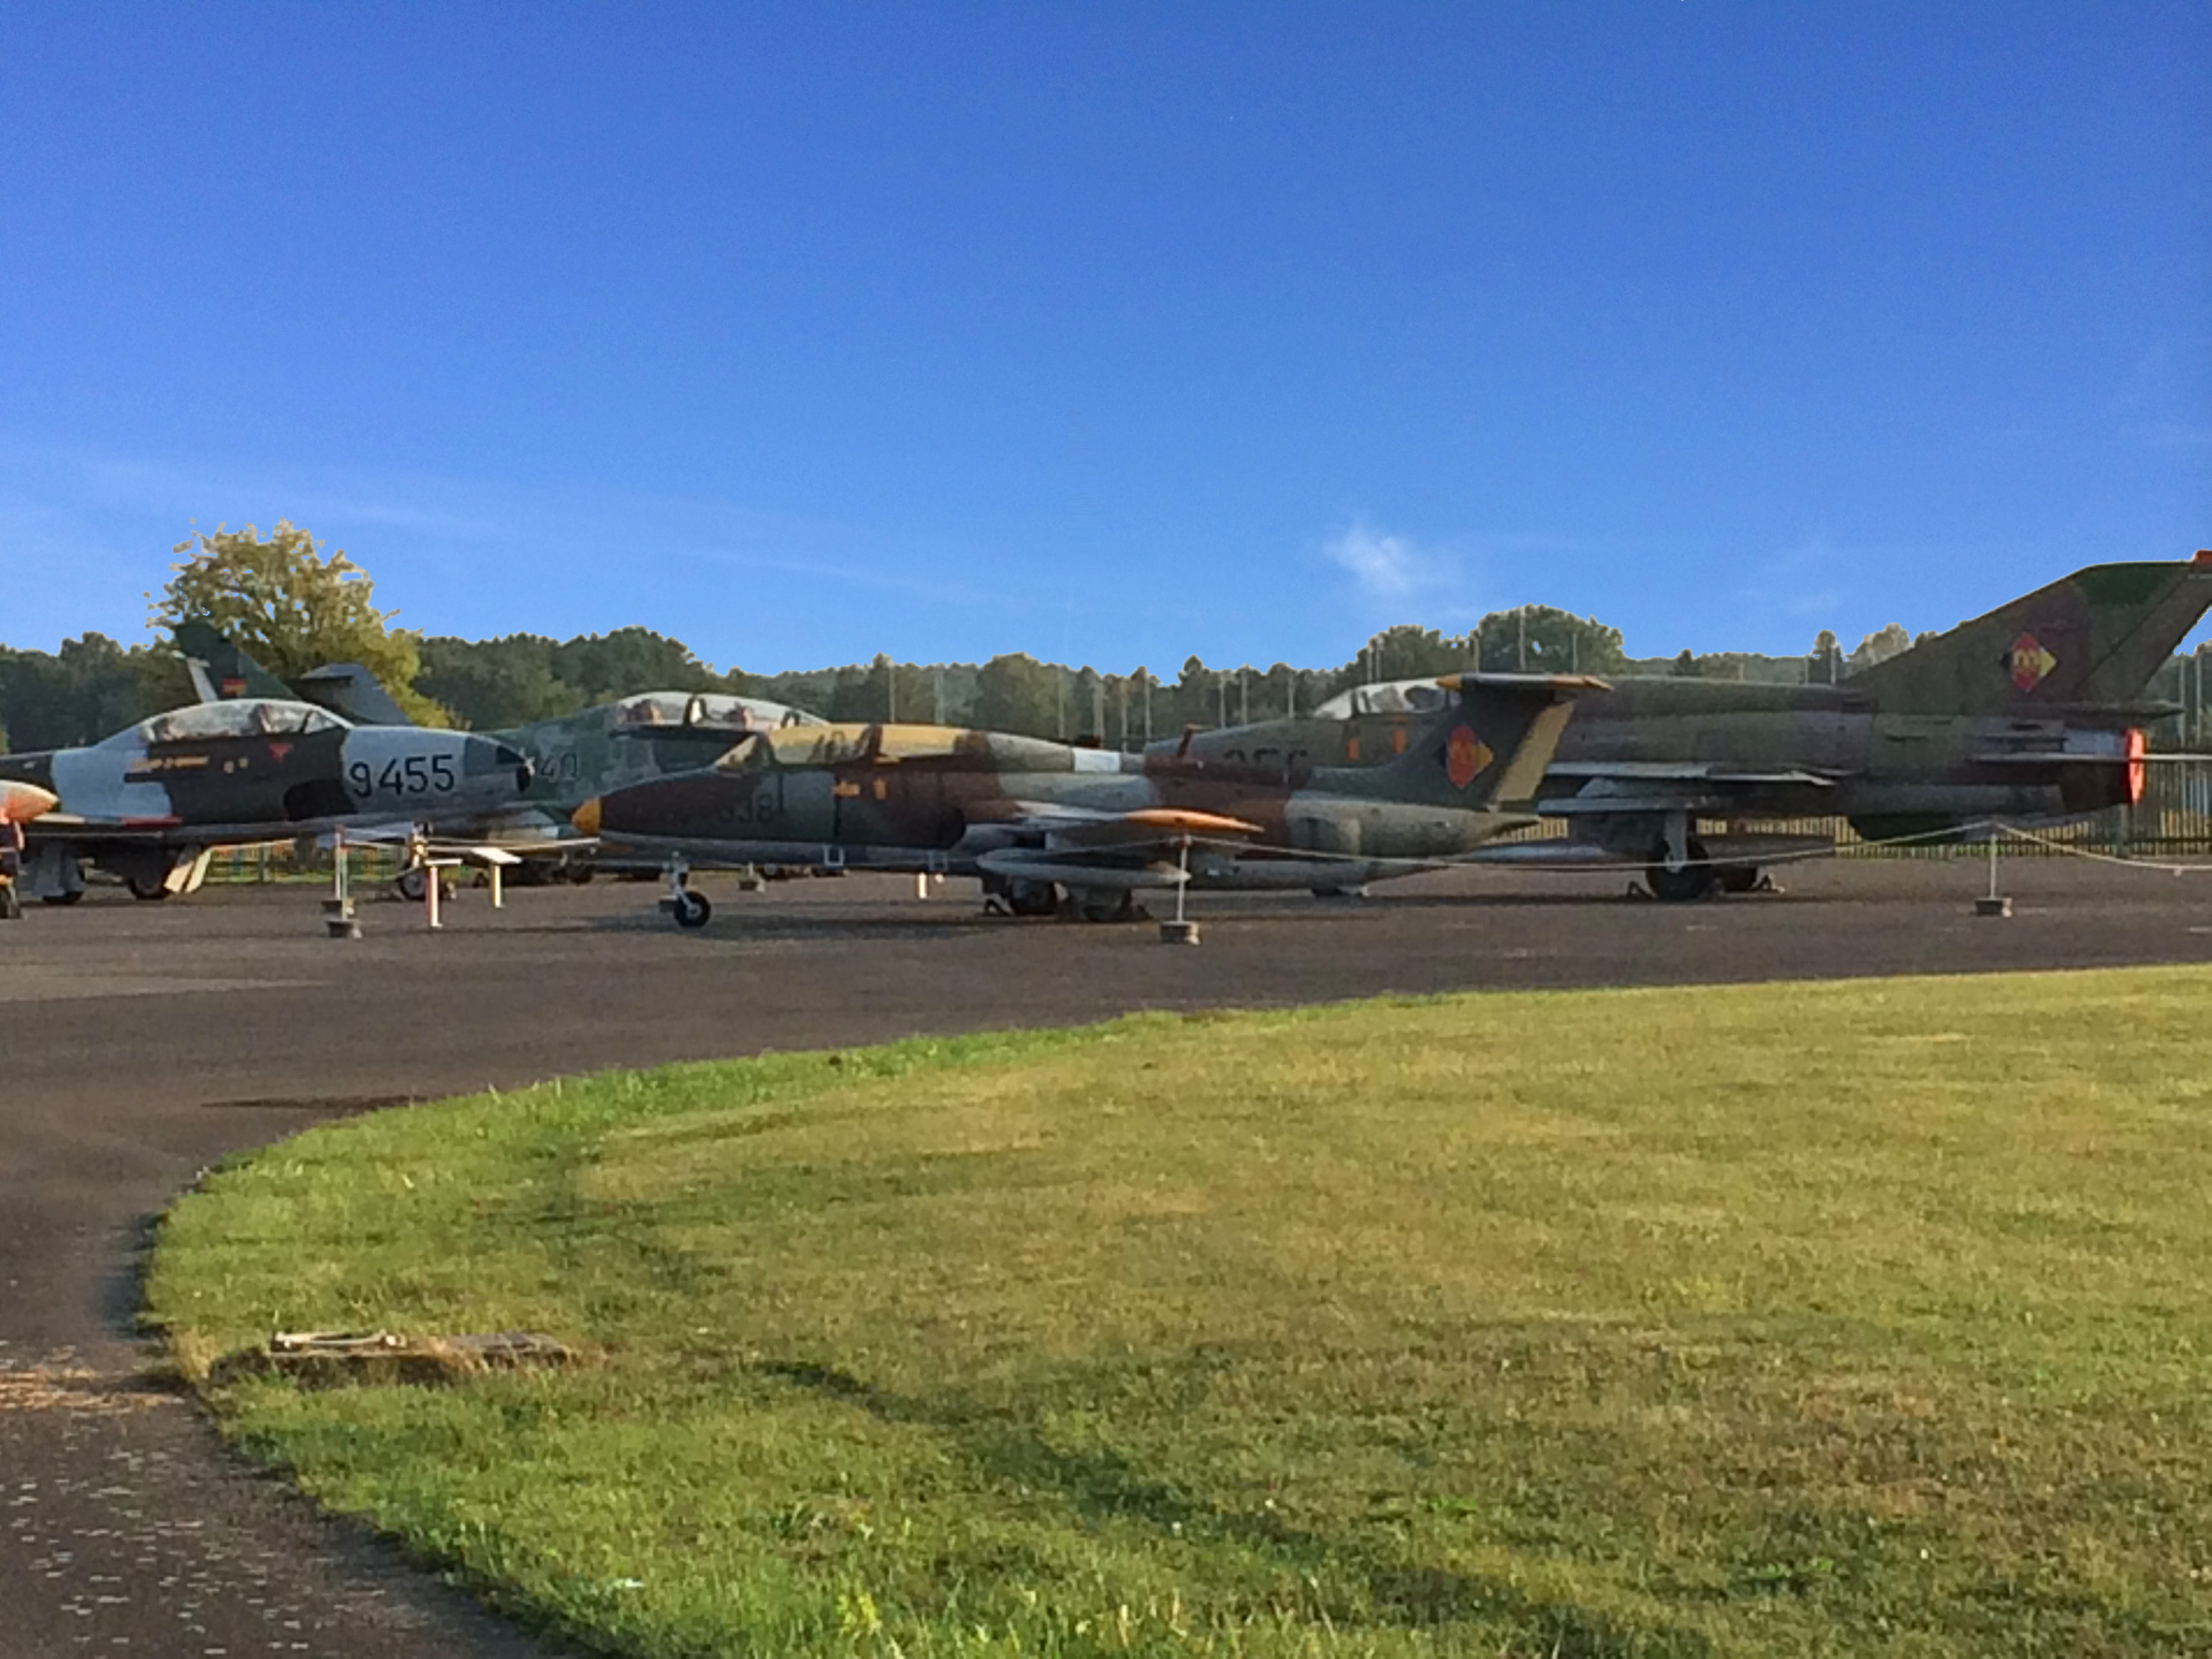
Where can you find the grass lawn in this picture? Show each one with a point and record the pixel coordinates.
(1796, 1319)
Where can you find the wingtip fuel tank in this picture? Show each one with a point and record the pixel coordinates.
(22, 802)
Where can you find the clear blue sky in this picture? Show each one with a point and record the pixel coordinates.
(1109, 333)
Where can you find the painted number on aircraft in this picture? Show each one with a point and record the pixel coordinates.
(414, 774)
(762, 808)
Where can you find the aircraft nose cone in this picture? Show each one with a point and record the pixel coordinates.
(22, 802)
(587, 817)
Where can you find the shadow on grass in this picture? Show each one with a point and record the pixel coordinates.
(1344, 1582)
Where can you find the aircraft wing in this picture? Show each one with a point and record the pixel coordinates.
(1713, 788)
(70, 829)
(1684, 772)
(1083, 849)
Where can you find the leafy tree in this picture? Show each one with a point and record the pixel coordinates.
(1687, 666)
(1820, 662)
(1559, 642)
(1015, 692)
(88, 689)
(1880, 646)
(601, 667)
(491, 684)
(855, 695)
(293, 609)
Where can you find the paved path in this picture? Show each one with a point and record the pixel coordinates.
(139, 1043)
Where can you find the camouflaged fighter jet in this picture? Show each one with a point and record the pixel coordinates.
(149, 803)
(1036, 820)
(2034, 711)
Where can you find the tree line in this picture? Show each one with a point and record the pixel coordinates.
(293, 608)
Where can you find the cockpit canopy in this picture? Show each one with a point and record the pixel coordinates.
(1388, 697)
(251, 717)
(714, 711)
(822, 743)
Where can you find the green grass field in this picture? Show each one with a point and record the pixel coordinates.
(1798, 1319)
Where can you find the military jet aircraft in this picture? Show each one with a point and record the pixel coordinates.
(148, 803)
(1036, 819)
(2034, 711)
(572, 757)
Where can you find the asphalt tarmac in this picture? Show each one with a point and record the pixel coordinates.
(139, 1043)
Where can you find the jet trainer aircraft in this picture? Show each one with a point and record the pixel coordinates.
(1034, 819)
(2034, 711)
(148, 803)
(572, 757)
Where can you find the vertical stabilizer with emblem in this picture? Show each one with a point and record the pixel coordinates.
(220, 672)
(2093, 638)
(1486, 747)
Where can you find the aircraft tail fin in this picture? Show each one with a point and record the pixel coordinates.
(220, 672)
(2094, 637)
(347, 689)
(1490, 743)
(223, 672)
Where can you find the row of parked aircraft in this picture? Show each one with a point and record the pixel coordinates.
(2033, 712)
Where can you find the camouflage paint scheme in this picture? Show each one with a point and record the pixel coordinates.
(148, 802)
(2032, 712)
(1032, 819)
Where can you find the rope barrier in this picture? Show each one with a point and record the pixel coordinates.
(1977, 829)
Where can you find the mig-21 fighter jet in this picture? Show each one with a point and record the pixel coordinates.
(2033, 712)
(1050, 826)
(148, 803)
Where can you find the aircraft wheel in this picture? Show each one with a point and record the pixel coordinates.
(581, 873)
(408, 884)
(1032, 898)
(152, 891)
(70, 897)
(1740, 879)
(691, 909)
(1693, 881)
(1104, 907)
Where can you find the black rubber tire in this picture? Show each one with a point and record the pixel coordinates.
(691, 910)
(150, 892)
(408, 884)
(1741, 878)
(1033, 898)
(1104, 907)
(1694, 880)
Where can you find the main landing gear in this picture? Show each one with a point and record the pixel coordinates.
(1680, 870)
(687, 910)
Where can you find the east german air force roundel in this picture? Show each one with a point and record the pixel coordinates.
(1465, 755)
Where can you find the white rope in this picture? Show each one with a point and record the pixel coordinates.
(1978, 829)
(2071, 851)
